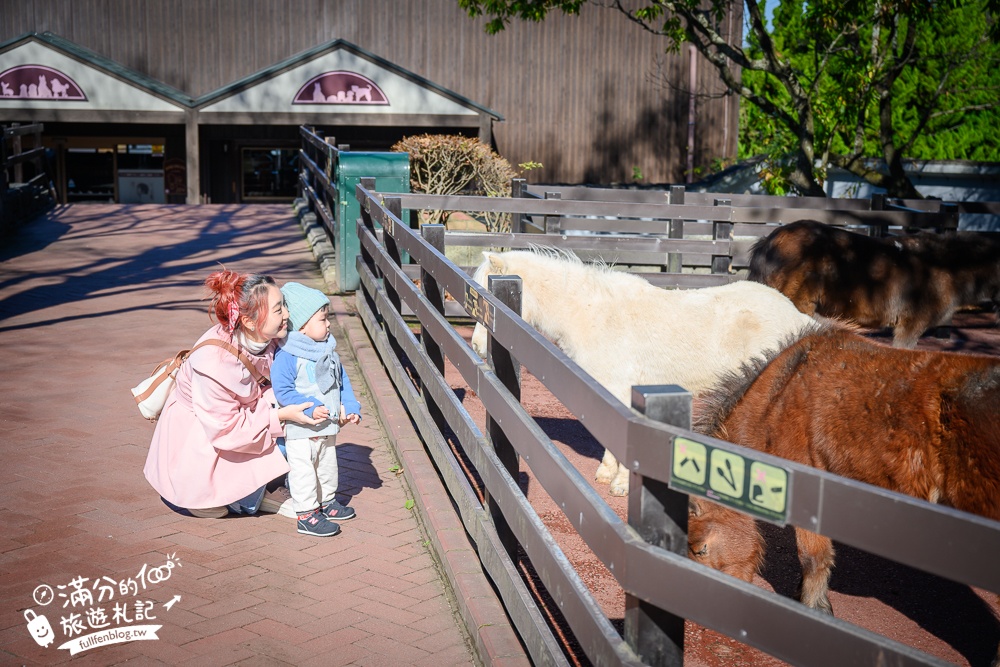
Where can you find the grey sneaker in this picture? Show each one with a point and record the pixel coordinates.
(314, 523)
(334, 511)
(278, 501)
(209, 512)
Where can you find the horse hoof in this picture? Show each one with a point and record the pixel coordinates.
(619, 489)
(603, 476)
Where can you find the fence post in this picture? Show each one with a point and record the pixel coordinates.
(878, 203)
(508, 371)
(16, 150)
(517, 188)
(675, 231)
(304, 175)
(434, 293)
(659, 514)
(951, 224)
(366, 219)
(552, 221)
(4, 178)
(394, 206)
(722, 230)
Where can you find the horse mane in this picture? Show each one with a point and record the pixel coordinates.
(567, 255)
(610, 281)
(716, 404)
(553, 252)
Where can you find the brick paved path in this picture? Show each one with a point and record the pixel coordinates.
(90, 298)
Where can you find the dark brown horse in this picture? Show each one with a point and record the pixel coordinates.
(921, 423)
(909, 283)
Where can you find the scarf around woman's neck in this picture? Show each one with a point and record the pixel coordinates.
(251, 346)
(327, 361)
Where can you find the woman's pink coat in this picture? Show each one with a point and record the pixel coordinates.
(214, 442)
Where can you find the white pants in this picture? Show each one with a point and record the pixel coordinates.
(313, 475)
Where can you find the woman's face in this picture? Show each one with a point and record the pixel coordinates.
(275, 321)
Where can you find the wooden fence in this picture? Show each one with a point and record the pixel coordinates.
(22, 199)
(688, 240)
(646, 554)
(778, 209)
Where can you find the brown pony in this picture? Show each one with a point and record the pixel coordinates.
(921, 423)
(909, 283)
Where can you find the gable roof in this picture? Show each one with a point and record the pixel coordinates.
(67, 52)
(331, 53)
(382, 87)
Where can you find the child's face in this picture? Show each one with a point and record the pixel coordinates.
(318, 326)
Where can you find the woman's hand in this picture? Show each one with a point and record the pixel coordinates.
(296, 413)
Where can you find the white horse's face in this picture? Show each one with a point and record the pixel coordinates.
(479, 340)
(511, 263)
(481, 276)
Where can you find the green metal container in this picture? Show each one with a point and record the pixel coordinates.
(391, 172)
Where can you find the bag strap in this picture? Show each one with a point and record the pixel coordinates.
(258, 377)
(173, 364)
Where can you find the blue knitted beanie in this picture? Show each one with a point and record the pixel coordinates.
(302, 302)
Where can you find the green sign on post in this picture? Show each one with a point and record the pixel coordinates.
(391, 172)
(741, 482)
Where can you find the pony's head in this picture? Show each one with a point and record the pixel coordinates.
(493, 264)
(724, 539)
(537, 267)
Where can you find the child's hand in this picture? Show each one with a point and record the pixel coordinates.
(322, 412)
(353, 418)
(297, 414)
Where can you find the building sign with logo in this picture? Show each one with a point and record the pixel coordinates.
(43, 72)
(340, 88)
(36, 82)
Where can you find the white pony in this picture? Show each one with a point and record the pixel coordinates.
(624, 331)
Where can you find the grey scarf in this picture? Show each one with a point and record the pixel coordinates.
(327, 360)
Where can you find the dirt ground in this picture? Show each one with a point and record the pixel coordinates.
(945, 619)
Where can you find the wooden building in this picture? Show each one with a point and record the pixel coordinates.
(200, 100)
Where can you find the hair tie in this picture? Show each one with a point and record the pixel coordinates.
(234, 315)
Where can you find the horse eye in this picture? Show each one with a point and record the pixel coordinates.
(703, 551)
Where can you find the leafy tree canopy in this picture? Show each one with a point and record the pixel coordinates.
(857, 84)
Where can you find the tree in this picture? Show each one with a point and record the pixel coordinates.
(919, 82)
(837, 82)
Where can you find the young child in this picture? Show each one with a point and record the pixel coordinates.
(307, 368)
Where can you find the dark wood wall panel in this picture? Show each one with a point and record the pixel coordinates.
(579, 94)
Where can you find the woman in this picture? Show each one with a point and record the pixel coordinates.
(213, 450)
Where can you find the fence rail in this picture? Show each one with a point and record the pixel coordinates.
(326, 184)
(645, 555)
(21, 198)
(692, 242)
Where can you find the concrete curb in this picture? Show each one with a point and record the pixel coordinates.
(486, 622)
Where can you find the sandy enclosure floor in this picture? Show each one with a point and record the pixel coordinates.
(945, 619)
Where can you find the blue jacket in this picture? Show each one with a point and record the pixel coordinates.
(294, 381)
